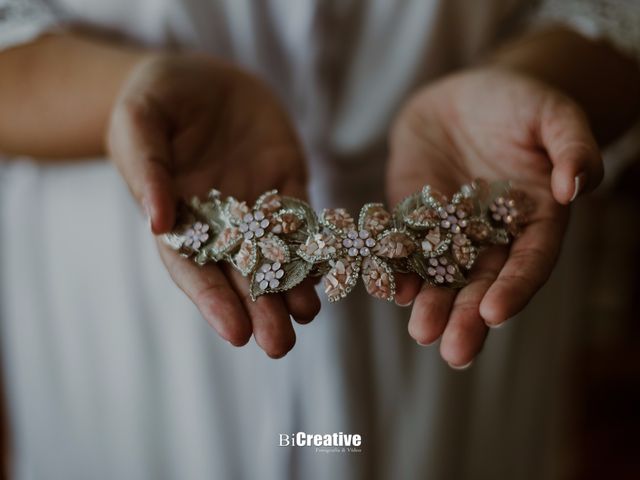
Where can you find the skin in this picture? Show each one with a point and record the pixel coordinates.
(503, 134)
(528, 114)
(182, 124)
(174, 125)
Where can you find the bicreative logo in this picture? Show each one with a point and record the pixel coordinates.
(303, 439)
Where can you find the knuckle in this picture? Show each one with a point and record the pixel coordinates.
(467, 307)
(518, 285)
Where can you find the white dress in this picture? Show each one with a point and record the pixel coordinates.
(112, 374)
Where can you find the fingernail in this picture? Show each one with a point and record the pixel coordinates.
(404, 304)
(495, 326)
(426, 344)
(461, 367)
(578, 184)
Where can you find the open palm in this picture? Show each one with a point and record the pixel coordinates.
(184, 125)
(497, 125)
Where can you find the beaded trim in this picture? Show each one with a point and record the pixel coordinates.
(279, 241)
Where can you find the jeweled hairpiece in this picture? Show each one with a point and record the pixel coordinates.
(280, 241)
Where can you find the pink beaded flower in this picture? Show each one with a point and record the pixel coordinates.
(346, 250)
(260, 241)
(510, 211)
(444, 230)
(249, 231)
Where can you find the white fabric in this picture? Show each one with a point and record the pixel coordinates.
(615, 21)
(23, 20)
(112, 374)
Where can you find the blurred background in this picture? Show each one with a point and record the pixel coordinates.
(605, 441)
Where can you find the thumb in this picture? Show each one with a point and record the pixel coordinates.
(567, 138)
(138, 144)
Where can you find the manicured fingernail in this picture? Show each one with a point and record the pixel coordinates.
(578, 184)
(461, 367)
(495, 326)
(426, 344)
(404, 304)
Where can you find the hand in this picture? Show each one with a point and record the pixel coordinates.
(497, 125)
(185, 124)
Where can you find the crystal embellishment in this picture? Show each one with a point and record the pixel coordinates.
(280, 241)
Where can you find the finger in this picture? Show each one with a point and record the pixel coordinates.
(303, 302)
(528, 267)
(407, 287)
(272, 327)
(566, 136)
(295, 185)
(138, 143)
(209, 289)
(466, 330)
(430, 313)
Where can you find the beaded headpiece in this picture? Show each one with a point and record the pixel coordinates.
(280, 240)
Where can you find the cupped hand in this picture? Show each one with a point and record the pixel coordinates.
(497, 125)
(184, 124)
